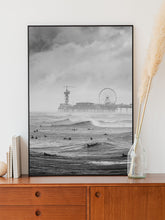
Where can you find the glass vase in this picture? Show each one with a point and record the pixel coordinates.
(136, 160)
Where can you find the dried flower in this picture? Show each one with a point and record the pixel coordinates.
(155, 53)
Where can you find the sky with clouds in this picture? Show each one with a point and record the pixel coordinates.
(86, 58)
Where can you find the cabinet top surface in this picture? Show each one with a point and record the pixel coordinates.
(151, 179)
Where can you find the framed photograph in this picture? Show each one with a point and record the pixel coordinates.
(80, 99)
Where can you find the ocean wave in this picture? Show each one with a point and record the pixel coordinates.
(116, 121)
(92, 122)
(110, 124)
(61, 122)
(105, 163)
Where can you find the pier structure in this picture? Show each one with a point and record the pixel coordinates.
(107, 103)
(66, 93)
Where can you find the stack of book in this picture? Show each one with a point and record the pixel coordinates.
(14, 158)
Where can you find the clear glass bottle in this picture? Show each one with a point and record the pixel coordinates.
(136, 160)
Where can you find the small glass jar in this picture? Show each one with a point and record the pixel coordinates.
(136, 160)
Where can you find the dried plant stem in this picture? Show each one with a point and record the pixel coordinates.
(138, 119)
(144, 108)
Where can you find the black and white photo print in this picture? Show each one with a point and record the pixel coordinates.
(80, 99)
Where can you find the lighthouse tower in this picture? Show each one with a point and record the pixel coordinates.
(66, 93)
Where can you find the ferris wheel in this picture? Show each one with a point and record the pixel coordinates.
(107, 96)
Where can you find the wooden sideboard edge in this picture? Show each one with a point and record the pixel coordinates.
(82, 185)
(86, 181)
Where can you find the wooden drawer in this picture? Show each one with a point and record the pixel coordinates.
(43, 212)
(43, 196)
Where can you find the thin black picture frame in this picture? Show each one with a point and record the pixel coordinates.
(28, 27)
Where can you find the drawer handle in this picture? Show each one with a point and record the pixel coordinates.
(37, 194)
(38, 213)
(98, 194)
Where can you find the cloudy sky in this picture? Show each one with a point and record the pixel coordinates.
(86, 58)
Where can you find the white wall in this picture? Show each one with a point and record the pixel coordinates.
(14, 18)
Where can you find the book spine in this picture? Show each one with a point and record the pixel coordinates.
(16, 157)
(10, 162)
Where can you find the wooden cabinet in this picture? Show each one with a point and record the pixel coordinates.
(128, 202)
(82, 198)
